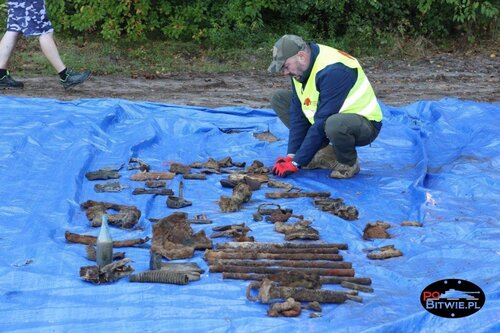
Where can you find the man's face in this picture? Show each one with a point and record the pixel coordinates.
(295, 66)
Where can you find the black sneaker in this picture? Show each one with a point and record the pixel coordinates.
(73, 78)
(7, 82)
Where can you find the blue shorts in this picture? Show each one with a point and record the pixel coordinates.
(28, 17)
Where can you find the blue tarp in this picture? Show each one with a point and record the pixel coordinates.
(435, 162)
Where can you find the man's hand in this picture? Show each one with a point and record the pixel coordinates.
(284, 167)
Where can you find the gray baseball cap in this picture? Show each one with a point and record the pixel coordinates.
(286, 47)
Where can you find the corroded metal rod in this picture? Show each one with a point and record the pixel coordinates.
(323, 279)
(155, 191)
(326, 250)
(283, 195)
(282, 263)
(274, 270)
(269, 291)
(90, 240)
(287, 245)
(142, 176)
(212, 255)
(355, 286)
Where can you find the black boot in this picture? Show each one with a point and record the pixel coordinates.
(7, 82)
(73, 78)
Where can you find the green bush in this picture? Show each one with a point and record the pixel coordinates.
(243, 23)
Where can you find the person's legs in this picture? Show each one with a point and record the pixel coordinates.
(49, 49)
(280, 103)
(69, 77)
(7, 45)
(346, 131)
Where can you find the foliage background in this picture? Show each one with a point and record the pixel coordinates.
(231, 24)
(158, 36)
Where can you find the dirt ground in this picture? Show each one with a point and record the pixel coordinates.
(396, 82)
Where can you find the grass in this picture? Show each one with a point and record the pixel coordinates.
(154, 57)
(157, 57)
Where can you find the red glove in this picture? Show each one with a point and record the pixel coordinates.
(284, 167)
(283, 159)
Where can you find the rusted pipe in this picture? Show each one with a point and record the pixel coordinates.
(287, 195)
(269, 291)
(323, 279)
(90, 240)
(355, 286)
(274, 270)
(213, 255)
(282, 263)
(287, 245)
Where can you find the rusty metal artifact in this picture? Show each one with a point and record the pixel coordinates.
(126, 216)
(212, 164)
(109, 273)
(323, 279)
(103, 174)
(256, 254)
(384, 252)
(136, 164)
(196, 176)
(289, 308)
(160, 276)
(178, 202)
(280, 184)
(234, 179)
(241, 194)
(269, 209)
(216, 268)
(154, 191)
(240, 177)
(281, 263)
(355, 286)
(325, 250)
(269, 290)
(199, 219)
(113, 186)
(285, 195)
(288, 245)
(155, 183)
(411, 224)
(232, 230)
(297, 279)
(173, 238)
(299, 230)
(179, 168)
(376, 230)
(91, 240)
(257, 167)
(336, 206)
(142, 176)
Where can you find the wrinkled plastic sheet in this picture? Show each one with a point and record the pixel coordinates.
(435, 162)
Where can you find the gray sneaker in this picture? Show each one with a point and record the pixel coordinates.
(344, 171)
(324, 159)
(73, 78)
(7, 82)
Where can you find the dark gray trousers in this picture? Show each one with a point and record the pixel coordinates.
(346, 131)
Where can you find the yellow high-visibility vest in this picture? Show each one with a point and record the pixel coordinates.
(361, 98)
